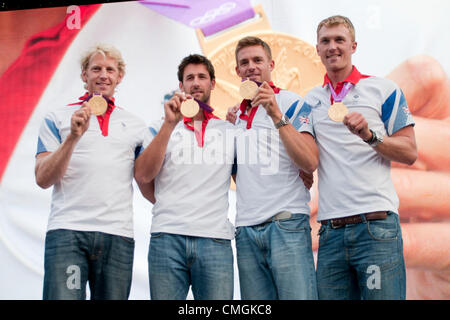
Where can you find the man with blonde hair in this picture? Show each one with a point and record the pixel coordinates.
(361, 124)
(87, 154)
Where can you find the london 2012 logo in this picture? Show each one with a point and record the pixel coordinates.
(212, 14)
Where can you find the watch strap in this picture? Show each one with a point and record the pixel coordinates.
(284, 121)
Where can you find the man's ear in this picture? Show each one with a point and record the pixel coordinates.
(237, 71)
(354, 45)
(272, 65)
(119, 80)
(83, 76)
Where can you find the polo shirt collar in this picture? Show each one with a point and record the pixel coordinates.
(353, 78)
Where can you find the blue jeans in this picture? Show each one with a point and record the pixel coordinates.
(275, 260)
(176, 261)
(74, 257)
(362, 261)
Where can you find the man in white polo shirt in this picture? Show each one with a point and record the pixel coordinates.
(89, 160)
(190, 160)
(273, 235)
(361, 124)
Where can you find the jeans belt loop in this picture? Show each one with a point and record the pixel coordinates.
(363, 218)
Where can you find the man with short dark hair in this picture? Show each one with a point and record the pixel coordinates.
(190, 163)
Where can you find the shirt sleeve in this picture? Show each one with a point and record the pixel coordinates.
(149, 133)
(299, 114)
(49, 138)
(395, 113)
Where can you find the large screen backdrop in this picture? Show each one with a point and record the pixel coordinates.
(40, 52)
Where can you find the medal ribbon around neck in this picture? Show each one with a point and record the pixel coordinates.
(338, 110)
(345, 89)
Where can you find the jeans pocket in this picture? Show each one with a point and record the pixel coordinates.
(237, 231)
(127, 240)
(156, 235)
(323, 234)
(384, 230)
(297, 224)
(225, 242)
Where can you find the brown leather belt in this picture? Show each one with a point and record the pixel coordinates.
(340, 222)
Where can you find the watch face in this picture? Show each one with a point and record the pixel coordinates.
(377, 139)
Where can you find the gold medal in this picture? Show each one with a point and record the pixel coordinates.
(189, 108)
(98, 104)
(248, 89)
(337, 111)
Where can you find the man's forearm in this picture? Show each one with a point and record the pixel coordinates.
(51, 166)
(400, 147)
(149, 163)
(301, 148)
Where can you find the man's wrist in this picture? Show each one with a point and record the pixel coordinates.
(73, 137)
(376, 139)
(369, 140)
(284, 120)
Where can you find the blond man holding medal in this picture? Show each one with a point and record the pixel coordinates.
(86, 151)
(361, 124)
(190, 161)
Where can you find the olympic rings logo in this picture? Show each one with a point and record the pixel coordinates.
(212, 14)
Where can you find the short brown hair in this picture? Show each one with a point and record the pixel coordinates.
(252, 41)
(195, 59)
(337, 20)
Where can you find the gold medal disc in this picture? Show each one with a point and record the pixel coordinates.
(337, 111)
(248, 89)
(189, 108)
(98, 104)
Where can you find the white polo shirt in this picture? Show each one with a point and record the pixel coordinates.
(96, 191)
(353, 178)
(267, 181)
(191, 190)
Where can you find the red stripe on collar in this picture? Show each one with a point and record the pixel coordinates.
(200, 136)
(353, 78)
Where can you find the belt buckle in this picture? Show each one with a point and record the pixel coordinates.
(337, 226)
(283, 215)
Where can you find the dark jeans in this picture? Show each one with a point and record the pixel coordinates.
(362, 261)
(74, 257)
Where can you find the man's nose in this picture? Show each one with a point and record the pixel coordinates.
(332, 45)
(103, 73)
(195, 82)
(251, 65)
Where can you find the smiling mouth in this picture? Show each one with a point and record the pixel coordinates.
(334, 56)
(253, 76)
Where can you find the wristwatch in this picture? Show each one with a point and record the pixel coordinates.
(284, 121)
(376, 139)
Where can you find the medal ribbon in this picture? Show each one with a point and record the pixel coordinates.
(211, 16)
(200, 134)
(338, 97)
